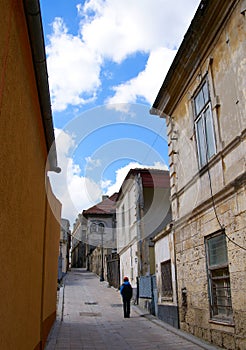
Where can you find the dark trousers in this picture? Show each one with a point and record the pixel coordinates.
(126, 307)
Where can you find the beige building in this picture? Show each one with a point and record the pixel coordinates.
(142, 210)
(100, 238)
(30, 230)
(203, 100)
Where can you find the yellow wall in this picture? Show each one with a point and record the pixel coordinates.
(25, 217)
(51, 249)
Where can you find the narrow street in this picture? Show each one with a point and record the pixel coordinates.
(91, 317)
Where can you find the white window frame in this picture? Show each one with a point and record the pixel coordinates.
(204, 124)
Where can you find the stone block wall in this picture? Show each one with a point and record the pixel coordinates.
(192, 272)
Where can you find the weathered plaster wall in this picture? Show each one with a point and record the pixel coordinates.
(126, 216)
(129, 264)
(164, 250)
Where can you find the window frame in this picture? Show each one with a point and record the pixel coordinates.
(166, 293)
(217, 273)
(205, 137)
(97, 227)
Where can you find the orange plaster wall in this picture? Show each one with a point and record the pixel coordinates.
(51, 244)
(25, 218)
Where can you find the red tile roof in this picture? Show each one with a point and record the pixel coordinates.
(151, 178)
(105, 207)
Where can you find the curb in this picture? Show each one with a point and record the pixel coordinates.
(202, 343)
(60, 305)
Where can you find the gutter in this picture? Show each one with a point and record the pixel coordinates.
(36, 37)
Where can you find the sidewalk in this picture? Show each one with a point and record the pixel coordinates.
(90, 316)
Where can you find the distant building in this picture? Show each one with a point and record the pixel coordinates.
(203, 100)
(100, 233)
(142, 210)
(78, 250)
(64, 249)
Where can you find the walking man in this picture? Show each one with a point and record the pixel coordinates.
(126, 293)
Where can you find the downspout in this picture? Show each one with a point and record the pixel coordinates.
(139, 217)
(36, 37)
(175, 268)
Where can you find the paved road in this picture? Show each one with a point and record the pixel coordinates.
(92, 318)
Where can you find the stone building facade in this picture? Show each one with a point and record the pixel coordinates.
(203, 100)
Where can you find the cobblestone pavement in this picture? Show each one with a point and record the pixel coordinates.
(90, 316)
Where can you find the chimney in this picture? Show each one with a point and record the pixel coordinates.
(104, 197)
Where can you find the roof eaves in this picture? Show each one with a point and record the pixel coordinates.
(36, 36)
(187, 58)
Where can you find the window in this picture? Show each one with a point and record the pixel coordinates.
(123, 224)
(101, 227)
(97, 227)
(166, 279)
(93, 227)
(218, 278)
(204, 125)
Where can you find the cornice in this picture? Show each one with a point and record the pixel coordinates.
(213, 161)
(202, 32)
(222, 195)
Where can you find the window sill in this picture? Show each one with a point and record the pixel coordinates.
(222, 323)
(167, 299)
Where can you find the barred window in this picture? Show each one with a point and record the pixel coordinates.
(166, 279)
(218, 278)
(204, 126)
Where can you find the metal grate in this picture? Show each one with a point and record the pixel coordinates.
(91, 303)
(90, 314)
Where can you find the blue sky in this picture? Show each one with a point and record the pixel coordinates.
(106, 62)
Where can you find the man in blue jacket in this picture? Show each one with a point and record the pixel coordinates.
(126, 293)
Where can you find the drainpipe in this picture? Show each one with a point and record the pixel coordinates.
(139, 217)
(36, 37)
(175, 268)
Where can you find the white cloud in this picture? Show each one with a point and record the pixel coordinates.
(73, 68)
(76, 192)
(148, 82)
(118, 28)
(105, 184)
(92, 163)
(122, 172)
(113, 30)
